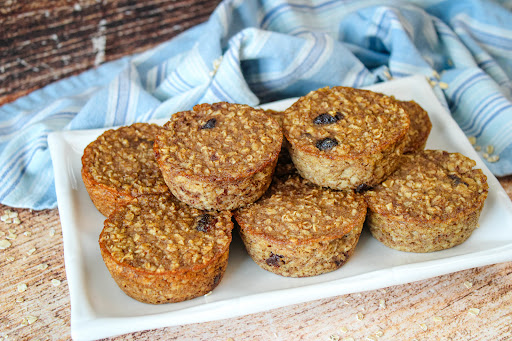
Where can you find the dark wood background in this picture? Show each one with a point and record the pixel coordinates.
(43, 41)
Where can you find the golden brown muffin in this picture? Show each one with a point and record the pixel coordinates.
(120, 165)
(160, 250)
(298, 229)
(420, 127)
(432, 202)
(219, 156)
(344, 138)
(284, 166)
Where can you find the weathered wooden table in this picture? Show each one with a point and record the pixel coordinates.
(474, 304)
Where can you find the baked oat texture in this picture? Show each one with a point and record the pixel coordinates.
(120, 165)
(298, 229)
(284, 166)
(160, 250)
(344, 138)
(432, 202)
(419, 128)
(219, 156)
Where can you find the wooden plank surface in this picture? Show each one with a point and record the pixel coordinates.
(440, 308)
(42, 41)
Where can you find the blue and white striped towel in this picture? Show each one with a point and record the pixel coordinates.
(259, 51)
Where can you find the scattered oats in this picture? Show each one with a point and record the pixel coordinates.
(436, 74)
(423, 326)
(348, 339)
(2, 233)
(493, 158)
(468, 284)
(489, 149)
(4, 244)
(12, 214)
(379, 333)
(432, 83)
(343, 330)
(55, 282)
(22, 287)
(27, 233)
(5, 218)
(230, 339)
(472, 140)
(31, 319)
(31, 251)
(20, 299)
(485, 155)
(360, 316)
(474, 311)
(387, 74)
(334, 337)
(11, 236)
(12, 231)
(24, 322)
(437, 319)
(478, 148)
(359, 295)
(42, 266)
(443, 85)
(371, 338)
(52, 232)
(10, 258)
(382, 303)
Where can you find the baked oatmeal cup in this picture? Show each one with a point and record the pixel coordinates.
(346, 138)
(298, 229)
(120, 165)
(284, 166)
(219, 156)
(159, 250)
(432, 202)
(419, 129)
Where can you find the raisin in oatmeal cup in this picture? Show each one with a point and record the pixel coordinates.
(298, 229)
(120, 165)
(160, 250)
(432, 202)
(219, 156)
(344, 138)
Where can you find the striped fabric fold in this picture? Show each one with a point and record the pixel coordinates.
(254, 52)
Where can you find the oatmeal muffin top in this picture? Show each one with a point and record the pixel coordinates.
(298, 211)
(344, 123)
(219, 140)
(420, 126)
(159, 233)
(123, 159)
(432, 185)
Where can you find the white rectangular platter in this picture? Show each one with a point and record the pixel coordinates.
(100, 309)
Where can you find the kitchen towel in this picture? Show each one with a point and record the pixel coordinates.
(255, 52)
